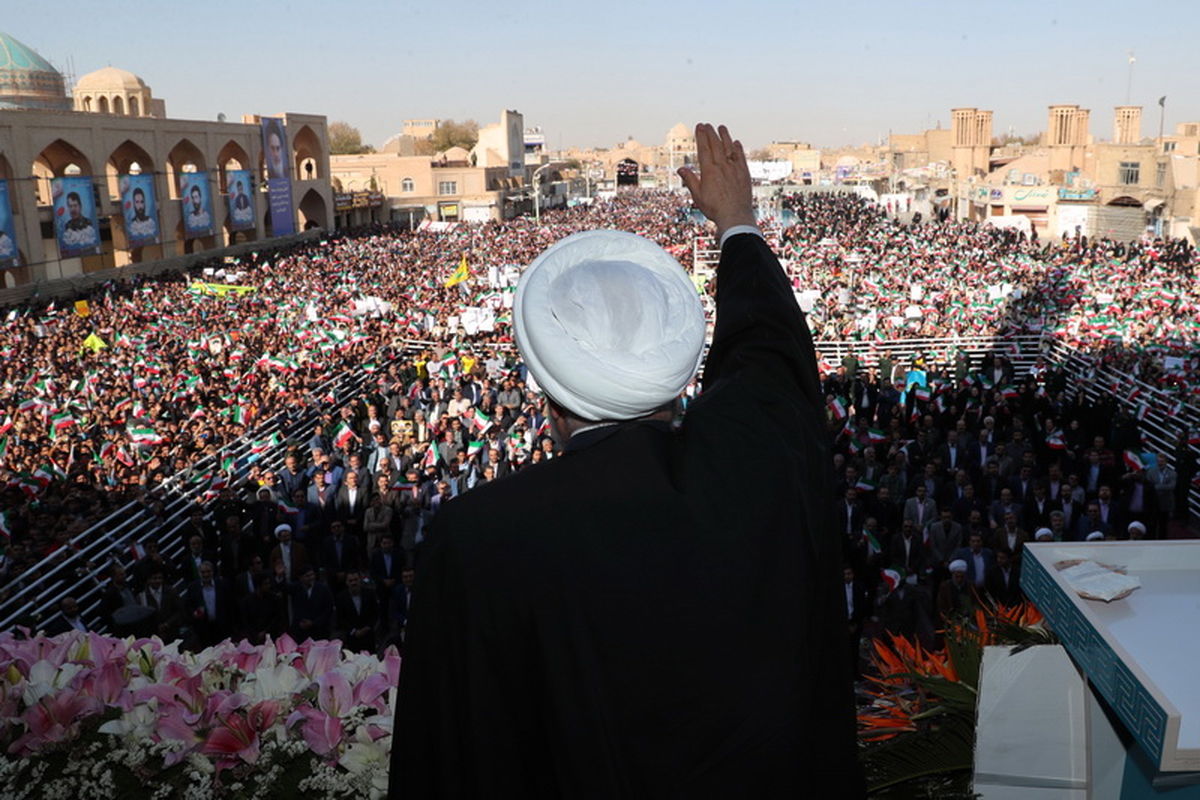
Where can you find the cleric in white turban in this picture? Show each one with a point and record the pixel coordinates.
(609, 325)
(578, 627)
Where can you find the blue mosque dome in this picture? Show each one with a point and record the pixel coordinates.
(29, 81)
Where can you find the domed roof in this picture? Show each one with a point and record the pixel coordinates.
(109, 79)
(680, 131)
(27, 80)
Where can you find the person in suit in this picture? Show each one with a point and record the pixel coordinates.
(312, 607)
(858, 610)
(117, 595)
(385, 567)
(498, 559)
(1010, 535)
(350, 504)
(1090, 522)
(1036, 511)
(167, 605)
(192, 559)
(397, 608)
(246, 582)
(977, 557)
(945, 538)
(68, 618)
(357, 615)
(153, 560)
(920, 509)
(209, 606)
(339, 555)
(908, 550)
(1002, 582)
(262, 612)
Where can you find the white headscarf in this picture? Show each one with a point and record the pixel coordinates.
(609, 325)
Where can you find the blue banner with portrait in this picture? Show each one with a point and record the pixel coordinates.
(241, 199)
(139, 208)
(75, 223)
(279, 176)
(8, 233)
(196, 199)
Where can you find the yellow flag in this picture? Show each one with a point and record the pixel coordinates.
(461, 274)
(94, 343)
(82, 309)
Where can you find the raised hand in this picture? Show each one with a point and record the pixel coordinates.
(722, 189)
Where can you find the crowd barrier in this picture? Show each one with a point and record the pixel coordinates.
(79, 570)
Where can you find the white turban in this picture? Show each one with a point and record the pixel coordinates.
(1043, 533)
(282, 527)
(609, 325)
(1095, 536)
(958, 565)
(1136, 526)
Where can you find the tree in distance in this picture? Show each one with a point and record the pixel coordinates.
(450, 134)
(345, 140)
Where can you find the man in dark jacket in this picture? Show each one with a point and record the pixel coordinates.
(561, 636)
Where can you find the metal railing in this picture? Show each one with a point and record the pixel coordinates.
(1161, 424)
(80, 570)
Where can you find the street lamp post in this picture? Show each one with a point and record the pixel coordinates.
(537, 206)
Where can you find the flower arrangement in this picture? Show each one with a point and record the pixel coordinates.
(86, 715)
(917, 728)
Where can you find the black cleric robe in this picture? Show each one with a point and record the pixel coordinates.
(656, 614)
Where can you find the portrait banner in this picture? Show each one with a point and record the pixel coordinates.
(75, 224)
(139, 207)
(8, 233)
(277, 155)
(196, 198)
(241, 199)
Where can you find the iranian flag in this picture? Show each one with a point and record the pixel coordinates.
(266, 444)
(342, 434)
(1143, 410)
(481, 421)
(873, 547)
(3, 448)
(864, 485)
(6, 425)
(285, 508)
(431, 456)
(876, 436)
(1194, 438)
(855, 447)
(922, 393)
(1009, 392)
(239, 415)
(891, 579)
(474, 447)
(1055, 441)
(837, 408)
(1133, 461)
(142, 435)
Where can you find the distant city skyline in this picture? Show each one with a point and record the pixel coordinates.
(590, 76)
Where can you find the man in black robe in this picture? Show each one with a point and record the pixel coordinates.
(620, 622)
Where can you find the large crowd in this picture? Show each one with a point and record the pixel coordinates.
(100, 404)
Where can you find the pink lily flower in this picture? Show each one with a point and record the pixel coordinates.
(235, 738)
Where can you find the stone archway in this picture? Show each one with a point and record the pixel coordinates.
(313, 211)
(306, 154)
(57, 159)
(183, 157)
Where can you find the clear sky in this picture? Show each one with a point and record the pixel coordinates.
(593, 74)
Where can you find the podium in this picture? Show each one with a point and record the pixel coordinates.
(1114, 712)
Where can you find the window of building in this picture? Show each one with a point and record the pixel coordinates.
(406, 185)
(1190, 130)
(1129, 173)
(1168, 147)
(1160, 174)
(447, 187)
